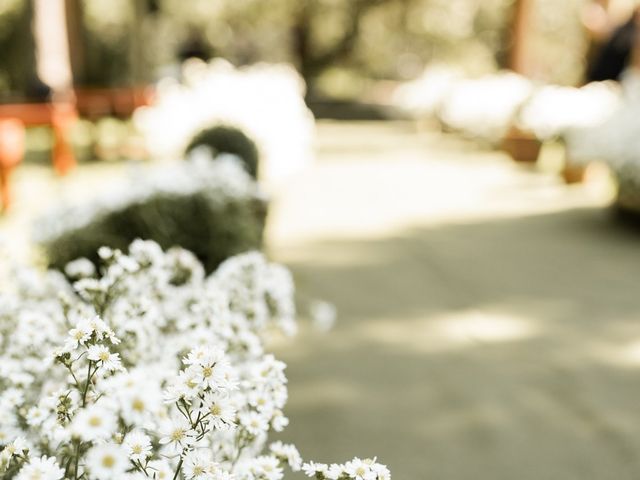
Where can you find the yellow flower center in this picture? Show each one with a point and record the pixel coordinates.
(108, 461)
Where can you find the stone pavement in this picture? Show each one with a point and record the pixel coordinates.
(489, 320)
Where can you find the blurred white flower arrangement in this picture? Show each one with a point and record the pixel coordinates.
(482, 107)
(265, 101)
(149, 370)
(616, 139)
(553, 110)
(423, 96)
(485, 107)
(488, 106)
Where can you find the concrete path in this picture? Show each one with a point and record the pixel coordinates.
(489, 316)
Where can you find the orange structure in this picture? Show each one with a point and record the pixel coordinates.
(95, 103)
(14, 118)
(59, 115)
(12, 133)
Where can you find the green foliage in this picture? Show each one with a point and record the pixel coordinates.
(228, 139)
(18, 77)
(211, 228)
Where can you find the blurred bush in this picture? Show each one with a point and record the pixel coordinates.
(228, 139)
(213, 210)
(265, 101)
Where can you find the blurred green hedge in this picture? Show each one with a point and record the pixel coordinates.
(210, 228)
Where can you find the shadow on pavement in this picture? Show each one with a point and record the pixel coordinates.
(494, 350)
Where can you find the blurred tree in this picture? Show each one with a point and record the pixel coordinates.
(17, 51)
(338, 45)
(312, 58)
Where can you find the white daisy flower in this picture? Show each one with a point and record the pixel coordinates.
(288, 453)
(267, 467)
(43, 468)
(253, 422)
(109, 361)
(311, 469)
(94, 423)
(177, 433)
(358, 469)
(197, 466)
(138, 446)
(107, 461)
(218, 411)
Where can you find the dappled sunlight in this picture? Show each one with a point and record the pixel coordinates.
(406, 181)
(449, 331)
(625, 355)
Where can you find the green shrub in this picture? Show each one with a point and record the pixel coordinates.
(214, 210)
(228, 139)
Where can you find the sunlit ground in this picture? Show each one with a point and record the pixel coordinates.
(488, 316)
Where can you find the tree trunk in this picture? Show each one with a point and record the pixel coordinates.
(520, 60)
(75, 36)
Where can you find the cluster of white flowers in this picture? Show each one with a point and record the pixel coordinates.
(148, 369)
(358, 469)
(221, 180)
(265, 101)
(424, 96)
(485, 107)
(488, 106)
(616, 139)
(552, 110)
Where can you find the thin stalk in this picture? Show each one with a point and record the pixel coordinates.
(178, 468)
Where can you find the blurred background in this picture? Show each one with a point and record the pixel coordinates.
(455, 185)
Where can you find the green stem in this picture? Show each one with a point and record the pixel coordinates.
(86, 386)
(76, 468)
(178, 468)
(74, 377)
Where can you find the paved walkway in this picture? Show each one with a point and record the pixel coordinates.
(489, 320)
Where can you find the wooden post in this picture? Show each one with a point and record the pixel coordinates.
(520, 60)
(75, 39)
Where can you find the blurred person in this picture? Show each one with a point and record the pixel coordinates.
(598, 24)
(614, 55)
